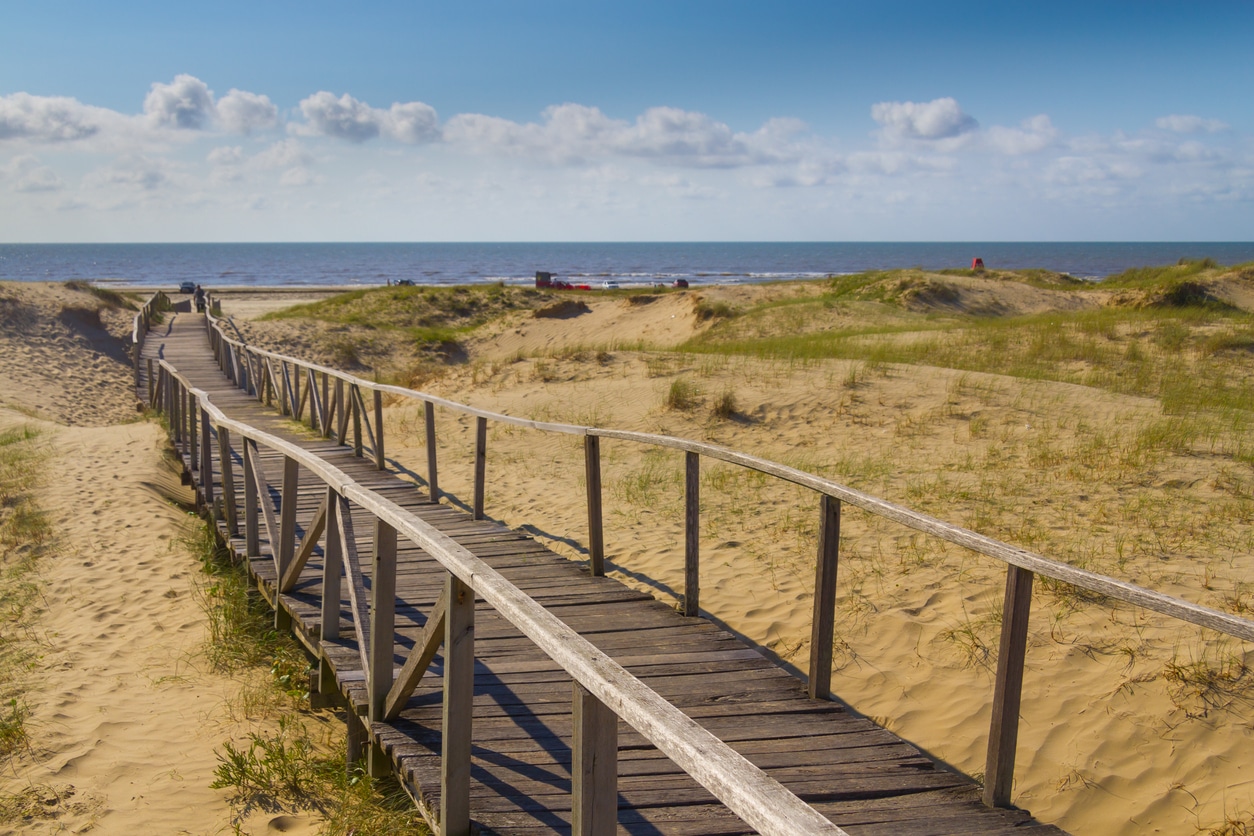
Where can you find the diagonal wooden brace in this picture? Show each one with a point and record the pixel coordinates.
(356, 584)
(312, 532)
(419, 659)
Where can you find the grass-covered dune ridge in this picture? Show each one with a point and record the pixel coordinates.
(1105, 424)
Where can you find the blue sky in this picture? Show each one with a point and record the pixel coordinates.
(626, 121)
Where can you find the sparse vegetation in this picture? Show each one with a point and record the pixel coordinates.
(111, 298)
(1112, 433)
(682, 395)
(24, 536)
(298, 764)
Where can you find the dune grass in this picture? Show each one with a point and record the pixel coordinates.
(296, 761)
(25, 535)
(111, 298)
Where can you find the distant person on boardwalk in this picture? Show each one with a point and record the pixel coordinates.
(200, 299)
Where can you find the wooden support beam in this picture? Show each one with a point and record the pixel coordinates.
(313, 532)
(594, 772)
(332, 568)
(228, 481)
(315, 405)
(692, 534)
(823, 622)
(301, 397)
(459, 693)
(419, 659)
(287, 518)
(354, 398)
(382, 618)
(433, 475)
(362, 419)
(357, 601)
(341, 412)
(262, 497)
(596, 531)
(376, 439)
(206, 463)
(193, 453)
(326, 410)
(1003, 734)
(252, 541)
(481, 464)
(286, 403)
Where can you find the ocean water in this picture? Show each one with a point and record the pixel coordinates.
(462, 263)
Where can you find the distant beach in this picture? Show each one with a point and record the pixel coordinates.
(365, 265)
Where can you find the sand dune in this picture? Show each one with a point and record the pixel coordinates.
(124, 713)
(1115, 737)
(1111, 743)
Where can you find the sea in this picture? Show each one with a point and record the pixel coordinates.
(372, 264)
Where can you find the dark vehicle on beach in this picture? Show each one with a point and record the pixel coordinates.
(405, 283)
(187, 287)
(679, 283)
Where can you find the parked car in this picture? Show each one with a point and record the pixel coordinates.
(187, 287)
(609, 285)
(679, 283)
(405, 283)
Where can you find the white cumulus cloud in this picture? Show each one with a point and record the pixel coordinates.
(348, 118)
(242, 112)
(937, 119)
(573, 132)
(185, 103)
(48, 118)
(1184, 124)
(1032, 135)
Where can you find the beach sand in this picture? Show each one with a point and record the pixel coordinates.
(1109, 742)
(125, 712)
(1116, 737)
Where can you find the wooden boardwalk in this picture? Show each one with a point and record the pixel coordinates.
(861, 777)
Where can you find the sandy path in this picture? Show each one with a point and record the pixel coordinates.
(124, 717)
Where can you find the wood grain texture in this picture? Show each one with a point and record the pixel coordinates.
(724, 714)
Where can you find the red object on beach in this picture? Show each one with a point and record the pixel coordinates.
(977, 264)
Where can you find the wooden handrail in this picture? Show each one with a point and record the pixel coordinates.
(140, 324)
(1092, 581)
(758, 799)
(1022, 564)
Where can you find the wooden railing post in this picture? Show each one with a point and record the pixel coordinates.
(151, 387)
(459, 682)
(332, 569)
(481, 464)
(193, 453)
(382, 631)
(692, 534)
(823, 624)
(287, 533)
(433, 476)
(355, 396)
(341, 412)
(228, 481)
(298, 406)
(379, 461)
(252, 538)
(206, 462)
(1003, 734)
(326, 415)
(594, 772)
(596, 533)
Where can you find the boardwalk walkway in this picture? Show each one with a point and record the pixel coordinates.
(855, 773)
